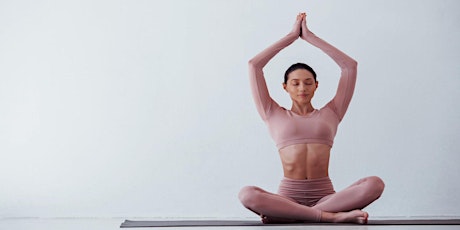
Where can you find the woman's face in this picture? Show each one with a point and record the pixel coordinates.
(301, 86)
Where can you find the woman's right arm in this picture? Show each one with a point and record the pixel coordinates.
(256, 75)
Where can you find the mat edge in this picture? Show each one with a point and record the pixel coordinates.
(181, 223)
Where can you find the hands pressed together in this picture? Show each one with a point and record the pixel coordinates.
(300, 26)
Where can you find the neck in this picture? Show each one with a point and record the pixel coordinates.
(302, 109)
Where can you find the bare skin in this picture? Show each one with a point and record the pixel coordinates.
(308, 161)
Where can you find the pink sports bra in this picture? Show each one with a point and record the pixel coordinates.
(320, 126)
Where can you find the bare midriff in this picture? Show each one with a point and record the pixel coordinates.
(305, 161)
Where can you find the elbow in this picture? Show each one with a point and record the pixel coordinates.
(253, 65)
(353, 64)
(252, 62)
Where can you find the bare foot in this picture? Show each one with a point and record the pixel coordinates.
(356, 216)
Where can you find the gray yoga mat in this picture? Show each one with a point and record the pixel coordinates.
(203, 223)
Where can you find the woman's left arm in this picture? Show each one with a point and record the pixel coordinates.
(347, 65)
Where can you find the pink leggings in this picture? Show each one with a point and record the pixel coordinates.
(303, 200)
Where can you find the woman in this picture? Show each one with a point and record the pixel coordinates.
(304, 137)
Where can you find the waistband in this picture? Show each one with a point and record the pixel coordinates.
(306, 192)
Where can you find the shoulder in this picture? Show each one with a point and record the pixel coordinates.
(329, 109)
(277, 111)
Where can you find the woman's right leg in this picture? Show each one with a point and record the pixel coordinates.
(276, 206)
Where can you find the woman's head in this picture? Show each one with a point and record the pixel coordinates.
(300, 82)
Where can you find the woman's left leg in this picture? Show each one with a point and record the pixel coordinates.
(356, 196)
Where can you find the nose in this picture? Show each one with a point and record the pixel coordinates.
(302, 87)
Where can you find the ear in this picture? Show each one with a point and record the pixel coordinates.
(316, 84)
(284, 86)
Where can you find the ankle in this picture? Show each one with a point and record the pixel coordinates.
(328, 217)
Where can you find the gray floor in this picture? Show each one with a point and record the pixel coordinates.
(114, 223)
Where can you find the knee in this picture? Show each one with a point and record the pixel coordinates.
(375, 186)
(249, 196)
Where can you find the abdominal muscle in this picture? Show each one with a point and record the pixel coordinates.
(305, 161)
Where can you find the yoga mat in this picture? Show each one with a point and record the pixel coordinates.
(210, 223)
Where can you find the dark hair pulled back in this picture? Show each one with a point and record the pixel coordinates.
(296, 67)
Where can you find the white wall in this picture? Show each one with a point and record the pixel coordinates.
(142, 108)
